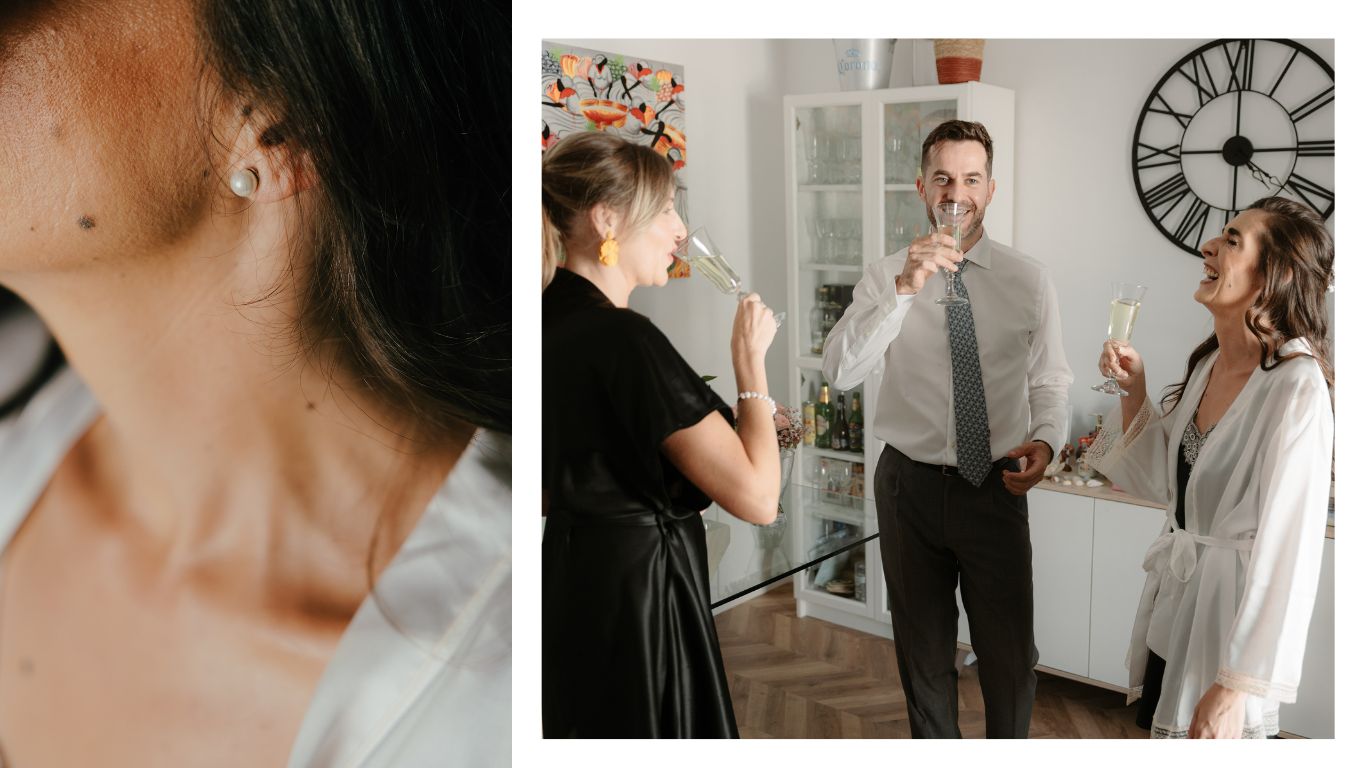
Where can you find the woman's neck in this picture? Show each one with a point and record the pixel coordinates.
(612, 281)
(1239, 349)
(217, 434)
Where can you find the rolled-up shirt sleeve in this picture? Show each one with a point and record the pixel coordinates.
(859, 340)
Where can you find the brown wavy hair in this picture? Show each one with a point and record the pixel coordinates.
(1296, 262)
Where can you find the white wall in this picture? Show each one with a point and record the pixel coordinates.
(1076, 105)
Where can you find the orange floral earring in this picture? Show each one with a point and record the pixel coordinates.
(609, 251)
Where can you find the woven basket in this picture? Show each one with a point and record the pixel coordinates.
(958, 60)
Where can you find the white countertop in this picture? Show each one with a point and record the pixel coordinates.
(1105, 491)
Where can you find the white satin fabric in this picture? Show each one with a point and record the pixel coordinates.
(422, 675)
(1228, 599)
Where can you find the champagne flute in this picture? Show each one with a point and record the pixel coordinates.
(1126, 298)
(949, 218)
(702, 255)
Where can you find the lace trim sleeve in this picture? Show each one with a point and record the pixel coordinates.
(1262, 689)
(1112, 440)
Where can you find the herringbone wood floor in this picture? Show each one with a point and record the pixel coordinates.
(807, 678)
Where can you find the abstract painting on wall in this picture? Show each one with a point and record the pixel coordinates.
(639, 99)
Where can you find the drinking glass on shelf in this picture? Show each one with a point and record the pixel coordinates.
(817, 148)
(702, 255)
(853, 155)
(849, 242)
(949, 219)
(895, 147)
(1125, 299)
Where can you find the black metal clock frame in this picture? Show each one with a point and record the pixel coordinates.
(1238, 151)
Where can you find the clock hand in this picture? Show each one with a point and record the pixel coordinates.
(1238, 122)
(1261, 175)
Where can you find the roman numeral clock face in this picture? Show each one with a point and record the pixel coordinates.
(1233, 122)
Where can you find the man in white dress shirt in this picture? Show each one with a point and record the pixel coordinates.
(972, 408)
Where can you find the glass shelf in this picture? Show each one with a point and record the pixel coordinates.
(829, 453)
(844, 514)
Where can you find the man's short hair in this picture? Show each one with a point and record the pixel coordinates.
(957, 130)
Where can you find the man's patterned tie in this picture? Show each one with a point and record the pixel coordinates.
(969, 401)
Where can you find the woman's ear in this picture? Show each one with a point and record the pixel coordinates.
(262, 166)
(604, 220)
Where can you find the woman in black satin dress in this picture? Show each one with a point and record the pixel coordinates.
(634, 446)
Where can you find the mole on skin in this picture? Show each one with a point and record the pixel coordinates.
(86, 222)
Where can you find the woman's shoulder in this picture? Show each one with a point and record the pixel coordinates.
(1299, 367)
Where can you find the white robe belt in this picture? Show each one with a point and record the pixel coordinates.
(1178, 546)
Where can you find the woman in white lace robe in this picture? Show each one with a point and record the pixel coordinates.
(1232, 579)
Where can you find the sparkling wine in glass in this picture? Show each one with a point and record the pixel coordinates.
(1124, 304)
(702, 255)
(949, 219)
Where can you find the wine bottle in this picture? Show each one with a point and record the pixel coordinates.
(823, 418)
(839, 433)
(855, 425)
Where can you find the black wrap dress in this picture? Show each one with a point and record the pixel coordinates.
(629, 646)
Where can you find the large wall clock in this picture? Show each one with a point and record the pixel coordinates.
(1232, 122)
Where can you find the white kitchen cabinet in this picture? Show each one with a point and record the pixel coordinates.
(1060, 534)
(1123, 533)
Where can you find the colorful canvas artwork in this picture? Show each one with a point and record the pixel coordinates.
(642, 100)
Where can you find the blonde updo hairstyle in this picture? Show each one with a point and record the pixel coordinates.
(586, 169)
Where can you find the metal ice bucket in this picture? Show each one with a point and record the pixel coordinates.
(863, 65)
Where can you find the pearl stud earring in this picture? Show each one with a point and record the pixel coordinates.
(243, 182)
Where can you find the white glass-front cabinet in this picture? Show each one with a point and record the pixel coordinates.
(851, 164)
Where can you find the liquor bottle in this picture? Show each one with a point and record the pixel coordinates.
(823, 418)
(816, 320)
(839, 432)
(856, 425)
(809, 422)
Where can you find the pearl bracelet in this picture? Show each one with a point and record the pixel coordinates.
(757, 396)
